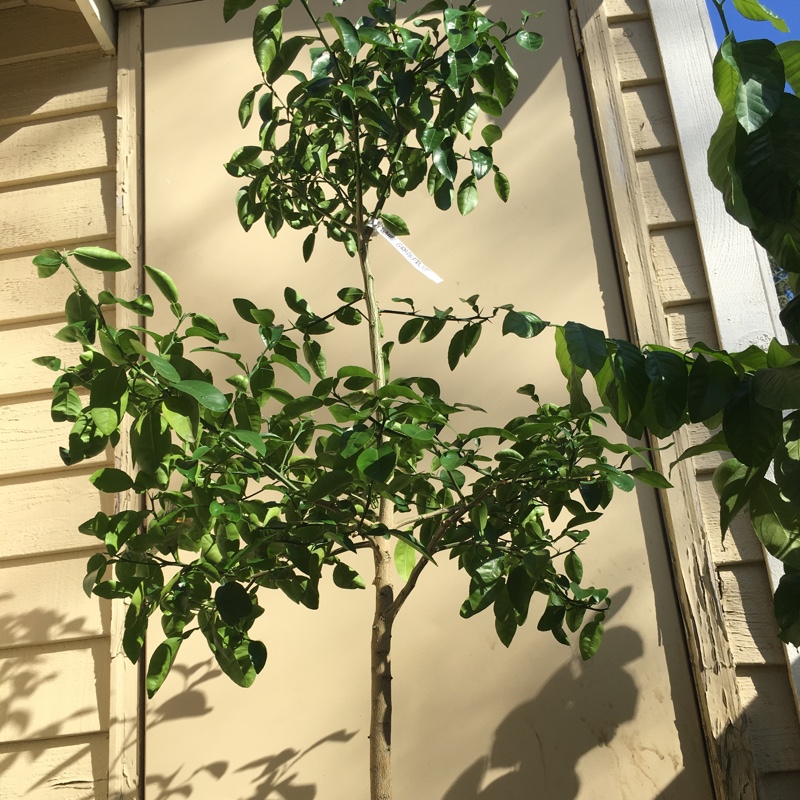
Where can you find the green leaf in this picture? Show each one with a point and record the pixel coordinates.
(105, 419)
(111, 480)
(776, 523)
(590, 638)
(395, 224)
(751, 430)
(489, 104)
(163, 368)
(573, 567)
(587, 346)
(346, 32)
(231, 7)
(163, 282)
(234, 603)
(491, 134)
(205, 393)
(267, 33)
(711, 386)
(530, 40)
(329, 484)
(308, 246)
(735, 483)
(502, 186)
(651, 478)
(315, 357)
(150, 441)
(252, 439)
(409, 330)
(287, 53)
(246, 104)
(524, 324)
(778, 388)
(161, 663)
(47, 263)
(302, 405)
(467, 196)
(377, 464)
(181, 414)
(405, 559)
(506, 81)
(101, 259)
(759, 91)
(375, 36)
(752, 9)
(345, 577)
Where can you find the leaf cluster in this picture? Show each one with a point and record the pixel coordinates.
(750, 399)
(262, 486)
(385, 107)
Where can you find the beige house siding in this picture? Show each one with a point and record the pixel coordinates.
(58, 123)
(739, 578)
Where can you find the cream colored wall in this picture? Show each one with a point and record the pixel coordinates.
(472, 719)
(57, 161)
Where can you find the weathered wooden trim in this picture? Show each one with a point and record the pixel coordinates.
(739, 276)
(712, 663)
(124, 730)
(101, 17)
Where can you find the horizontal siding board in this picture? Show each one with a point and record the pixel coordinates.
(71, 769)
(20, 375)
(690, 324)
(664, 191)
(679, 265)
(58, 85)
(35, 150)
(780, 785)
(29, 440)
(649, 117)
(747, 602)
(23, 295)
(58, 211)
(740, 543)
(58, 690)
(636, 52)
(32, 30)
(43, 515)
(772, 714)
(42, 601)
(626, 8)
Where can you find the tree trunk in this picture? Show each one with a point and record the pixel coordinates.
(380, 726)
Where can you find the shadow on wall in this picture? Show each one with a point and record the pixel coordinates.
(529, 750)
(48, 739)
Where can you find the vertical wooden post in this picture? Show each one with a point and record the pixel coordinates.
(125, 742)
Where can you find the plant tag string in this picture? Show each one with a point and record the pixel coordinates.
(380, 228)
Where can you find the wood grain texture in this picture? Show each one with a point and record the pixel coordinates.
(666, 196)
(679, 265)
(42, 601)
(75, 768)
(25, 296)
(740, 543)
(710, 655)
(54, 212)
(690, 324)
(125, 688)
(29, 440)
(747, 600)
(636, 52)
(30, 32)
(54, 690)
(54, 86)
(745, 305)
(57, 147)
(20, 375)
(42, 515)
(649, 118)
(619, 9)
(772, 714)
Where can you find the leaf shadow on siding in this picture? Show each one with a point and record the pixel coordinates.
(51, 738)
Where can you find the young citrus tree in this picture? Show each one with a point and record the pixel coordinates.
(260, 487)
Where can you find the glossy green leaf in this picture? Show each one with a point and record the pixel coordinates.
(111, 480)
(163, 282)
(233, 602)
(776, 523)
(405, 559)
(530, 40)
(100, 259)
(267, 33)
(467, 196)
(524, 324)
(502, 186)
(162, 660)
(345, 577)
(752, 431)
(48, 262)
(205, 393)
(590, 639)
(753, 9)
(587, 346)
